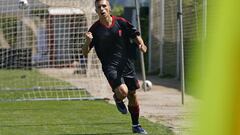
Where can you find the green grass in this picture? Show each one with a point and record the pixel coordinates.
(68, 118)
(23, 84)
(58, 117)
(22, 79)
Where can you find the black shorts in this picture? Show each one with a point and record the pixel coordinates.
(115, 80)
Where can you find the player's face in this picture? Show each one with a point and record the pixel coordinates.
(103, 8)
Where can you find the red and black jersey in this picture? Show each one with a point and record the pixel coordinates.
(112, 43)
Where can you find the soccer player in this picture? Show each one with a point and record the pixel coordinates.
(110, 36)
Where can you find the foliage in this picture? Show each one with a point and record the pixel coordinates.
(118, 10)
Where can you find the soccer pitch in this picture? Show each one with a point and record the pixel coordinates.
(22, 85)
(68, 118)
(77, 117)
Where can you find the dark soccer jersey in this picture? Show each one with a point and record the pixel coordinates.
(111, 43)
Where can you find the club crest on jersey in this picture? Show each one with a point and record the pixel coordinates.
(120, 33)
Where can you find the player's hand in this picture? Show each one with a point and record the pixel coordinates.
(89, 37)
(143, 47)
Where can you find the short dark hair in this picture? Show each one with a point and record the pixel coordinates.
(100, 0)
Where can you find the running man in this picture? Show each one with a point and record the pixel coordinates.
(110, 36)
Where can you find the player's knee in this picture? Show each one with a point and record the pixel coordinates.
(122, 91)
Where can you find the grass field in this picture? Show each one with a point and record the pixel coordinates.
(23, 79)
(30, 84)
(68, 118)
(59, 117)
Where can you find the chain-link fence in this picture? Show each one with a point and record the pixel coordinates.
(165, 50)
(41, 50)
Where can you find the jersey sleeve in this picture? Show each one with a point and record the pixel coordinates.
(131, 31)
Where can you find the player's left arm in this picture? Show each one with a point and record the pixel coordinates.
(139, 41)
(133, 34)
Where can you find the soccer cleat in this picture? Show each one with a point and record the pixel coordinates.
(120, 105)
(138, 129)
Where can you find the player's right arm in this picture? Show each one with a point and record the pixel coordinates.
(86, 46)
(139, 41)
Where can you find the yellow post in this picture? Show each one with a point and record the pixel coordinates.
(220, 89)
